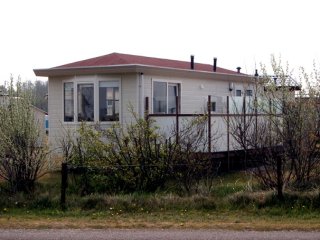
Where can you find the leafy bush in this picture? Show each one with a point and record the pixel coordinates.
(22, 149)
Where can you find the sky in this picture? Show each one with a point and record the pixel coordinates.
(46, 33)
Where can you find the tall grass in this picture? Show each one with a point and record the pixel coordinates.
(229, 192)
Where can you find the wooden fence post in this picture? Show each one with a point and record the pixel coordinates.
(64, 184)
(228, 134)
(146, 108)
(245, 129)
(209, 123)
(177, 120)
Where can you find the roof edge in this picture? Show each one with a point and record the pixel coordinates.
(128, 68)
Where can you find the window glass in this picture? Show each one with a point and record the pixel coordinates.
(68, 102)
(173, 92)
(238, 93)
(85, 102)
(249, 93)
(213, 106)
(109, 101)
(159, 97)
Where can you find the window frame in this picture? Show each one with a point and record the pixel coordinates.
(177, 83)
(249, 92)
(95, 80)
(94, 102)
(238, 91)
(114, 100)
(213, 107)
(64, 102)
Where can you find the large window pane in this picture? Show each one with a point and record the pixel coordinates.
(109, 101)
(85, 102)
(159, 97)
(68, 102)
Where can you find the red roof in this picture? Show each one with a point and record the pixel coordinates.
(127, 59)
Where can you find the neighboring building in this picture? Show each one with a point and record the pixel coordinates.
(101, 89)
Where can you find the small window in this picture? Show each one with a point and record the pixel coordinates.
(238, 93)
(249, 93)
(68, 102)
(213, 106)
(109, 101)
(85, 102)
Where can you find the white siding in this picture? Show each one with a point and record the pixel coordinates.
(55, 109)
(194, 92)
(129, 96)
(57, 126)
(194, 95)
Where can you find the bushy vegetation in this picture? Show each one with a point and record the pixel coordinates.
(136, 157)
(230, 192)
(22, 149)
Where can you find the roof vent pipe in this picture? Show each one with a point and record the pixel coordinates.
(192, 62)
(215, 64)
(238, 69)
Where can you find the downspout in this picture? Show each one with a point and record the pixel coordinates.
(141, 95)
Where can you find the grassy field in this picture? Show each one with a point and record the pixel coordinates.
(234, 203)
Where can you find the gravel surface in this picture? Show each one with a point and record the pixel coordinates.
(147, 234)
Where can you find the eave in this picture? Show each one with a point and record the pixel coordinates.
(136, 68)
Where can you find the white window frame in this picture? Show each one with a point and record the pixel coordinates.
(167, 98)
(98, 99)
(95, 80)
(63, 102)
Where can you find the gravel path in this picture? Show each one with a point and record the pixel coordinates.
(154, 234)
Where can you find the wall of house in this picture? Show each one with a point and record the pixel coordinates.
(57, 126)
(129, 96)
(194, 92)
(194, 96)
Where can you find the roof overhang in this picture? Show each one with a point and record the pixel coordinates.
(136, 68)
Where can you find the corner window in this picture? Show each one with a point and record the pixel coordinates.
(109, 101)
(85, 102)
(68, 102)
(164, 97)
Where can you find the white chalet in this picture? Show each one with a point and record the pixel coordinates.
(101, 89)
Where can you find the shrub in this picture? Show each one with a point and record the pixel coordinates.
(22, 149)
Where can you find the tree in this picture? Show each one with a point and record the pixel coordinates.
(284, 140)
(22, 149)
(39, 91)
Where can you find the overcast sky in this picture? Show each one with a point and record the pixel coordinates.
(47, 33)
